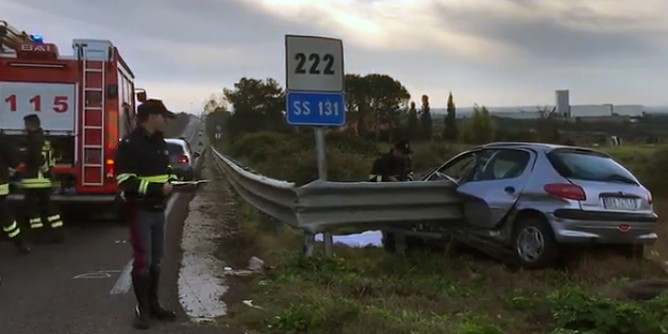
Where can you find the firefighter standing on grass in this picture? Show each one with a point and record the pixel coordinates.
(143, 175)
(39, 161)
(9, 158)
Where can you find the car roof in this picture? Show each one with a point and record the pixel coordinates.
(175, 141)
(545, 147)
(179, 142)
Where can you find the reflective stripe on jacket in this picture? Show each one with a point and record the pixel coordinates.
(39, 160)
(49, 158)
(4, 189)
(41, 181)
(144, 181)
(142, 167)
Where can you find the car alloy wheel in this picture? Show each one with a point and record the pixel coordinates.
(530, 244)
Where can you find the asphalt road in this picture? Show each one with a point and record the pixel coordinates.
(67, 288)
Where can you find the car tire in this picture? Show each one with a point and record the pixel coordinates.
(540, 231)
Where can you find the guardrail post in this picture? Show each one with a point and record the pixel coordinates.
(400, 242)
(309, 244)
(329, 244)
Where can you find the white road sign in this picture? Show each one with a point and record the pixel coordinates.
(55, 104)
(314, 64)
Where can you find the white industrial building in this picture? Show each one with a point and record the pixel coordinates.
(563, 107)
(628, 110)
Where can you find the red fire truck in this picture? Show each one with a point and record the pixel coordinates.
(86, 102)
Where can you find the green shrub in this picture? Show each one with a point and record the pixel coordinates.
(429, 155)
(653, 169)
(349, 158)
(647, 163)
(352, 144)
(582, 312)
(292, 157)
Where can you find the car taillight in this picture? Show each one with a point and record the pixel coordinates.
(110, 168)
(650, 199)
(183, 159)
(566, 191)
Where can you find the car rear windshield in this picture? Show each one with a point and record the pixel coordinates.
(586, 165)
(174, 149)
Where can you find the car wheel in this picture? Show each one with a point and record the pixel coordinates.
(534, 243)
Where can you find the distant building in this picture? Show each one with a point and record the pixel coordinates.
(595, 112)
(628, 110)
(563, 109)
(591, 110)
(563, 103)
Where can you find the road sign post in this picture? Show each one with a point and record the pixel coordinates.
(315, 96)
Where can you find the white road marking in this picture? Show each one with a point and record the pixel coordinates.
(96, 274)
(201, 286)
(124, 281)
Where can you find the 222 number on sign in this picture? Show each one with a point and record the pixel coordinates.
(60, 103)
(314, 60)
(323, 108)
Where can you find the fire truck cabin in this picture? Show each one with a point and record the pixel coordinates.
(85, 101)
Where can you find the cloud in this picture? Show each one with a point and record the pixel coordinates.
(500, 31)
(400, 25)
(487, 51)
(562, 32)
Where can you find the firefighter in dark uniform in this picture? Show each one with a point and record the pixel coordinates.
(143, 175)
(36, 183)
(394, 165)
(9, 158)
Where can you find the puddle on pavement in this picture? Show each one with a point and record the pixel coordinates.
(368, 238)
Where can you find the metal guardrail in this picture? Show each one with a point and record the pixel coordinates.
(276, 198)
(349, 207)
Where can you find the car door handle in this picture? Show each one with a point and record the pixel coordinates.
(509, 189)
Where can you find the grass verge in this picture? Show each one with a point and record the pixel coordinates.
(369, 291)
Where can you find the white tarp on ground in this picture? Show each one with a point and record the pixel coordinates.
(368, 238)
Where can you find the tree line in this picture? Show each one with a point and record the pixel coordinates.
(379, 108)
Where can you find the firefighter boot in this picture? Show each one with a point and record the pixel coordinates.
(140, 284)
(157, 311)
(20, 244)
(56, 231)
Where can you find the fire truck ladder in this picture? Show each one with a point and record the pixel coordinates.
(93, 117)
(12, 38)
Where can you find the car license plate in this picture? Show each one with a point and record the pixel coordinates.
(620, 203)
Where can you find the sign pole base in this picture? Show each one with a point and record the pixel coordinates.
(322, 175)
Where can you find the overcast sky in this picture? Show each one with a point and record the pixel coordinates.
(491, 52)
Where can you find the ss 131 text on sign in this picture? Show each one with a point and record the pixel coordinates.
(326, 109)
(315, 76)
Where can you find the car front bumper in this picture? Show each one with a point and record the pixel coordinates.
(577, 226)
